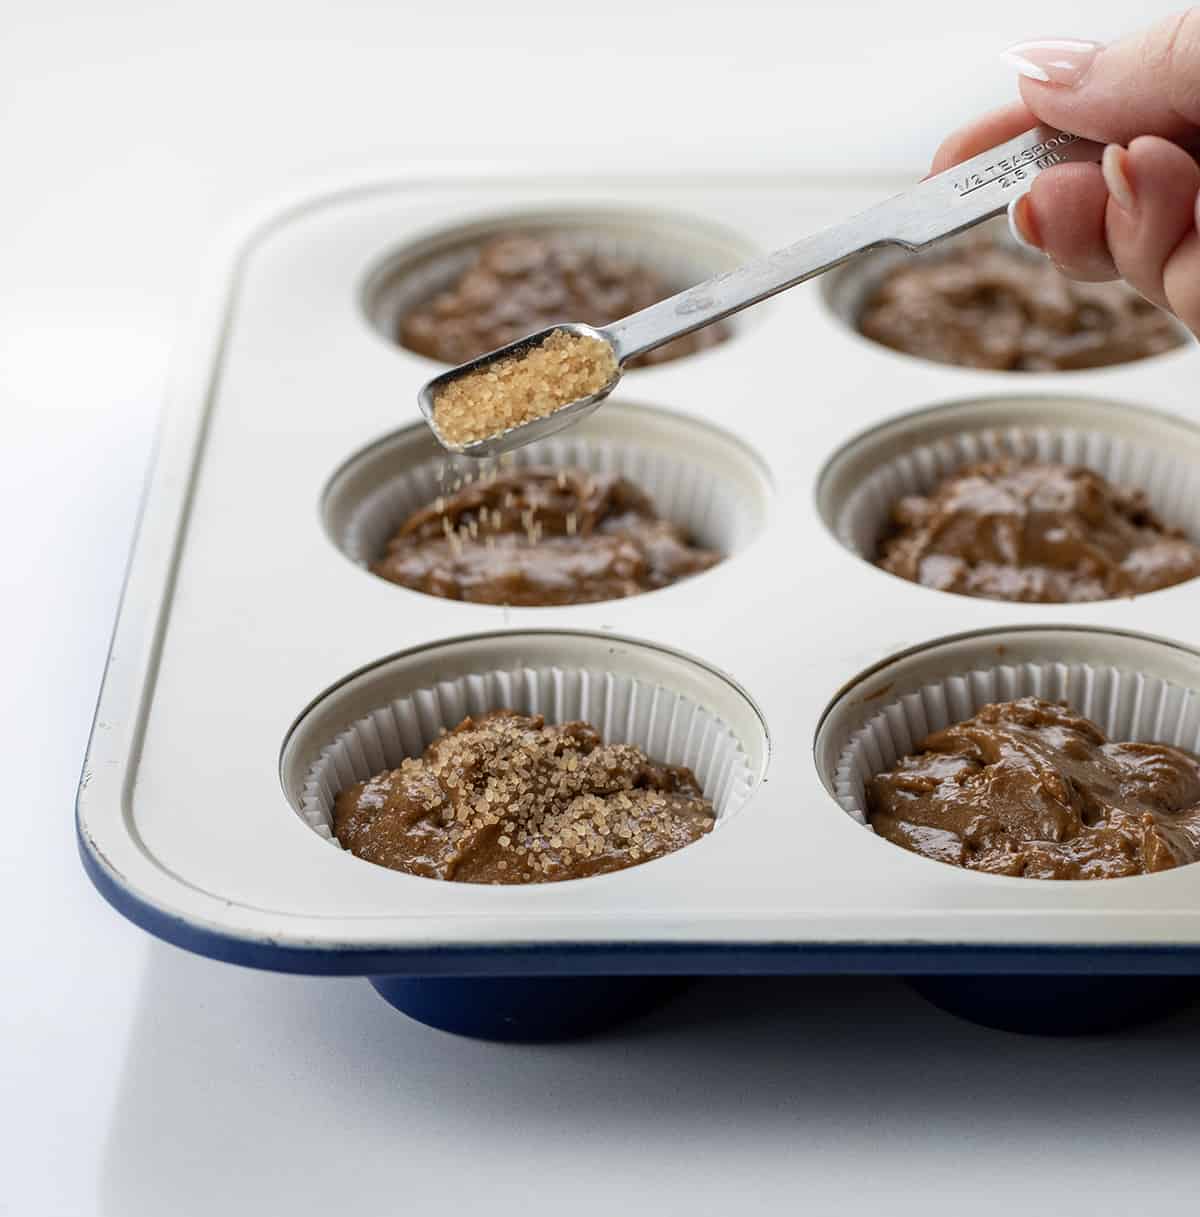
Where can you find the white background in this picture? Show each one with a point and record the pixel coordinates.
(136, 1079)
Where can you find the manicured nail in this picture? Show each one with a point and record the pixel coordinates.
(1020, 223)
(1115, 167)
(1058, 61)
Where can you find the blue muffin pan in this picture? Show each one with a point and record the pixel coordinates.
(251, 638)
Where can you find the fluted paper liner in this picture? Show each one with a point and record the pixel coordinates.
(851, 288)
(701, 478)
(1170, 482)
(668, 726)
(692, 497)
(1124, 703)
(681, 252)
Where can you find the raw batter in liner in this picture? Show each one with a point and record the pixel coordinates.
(523, 282)
(540, 536)
(1031, 788)
(507, 799)
(983, 305)
(1008, 530)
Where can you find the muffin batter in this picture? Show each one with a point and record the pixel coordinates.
(1030, 788)
(1007, 530)
(541, 536)
(520, 283)
(983, 305)
(508, 799)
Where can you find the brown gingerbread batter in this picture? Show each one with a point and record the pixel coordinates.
(1031, 788)
(540, 536)
(522, 282)
(981, 304)
(1007, 530)
(507, 799)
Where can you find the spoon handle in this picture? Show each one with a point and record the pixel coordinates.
(938, 207)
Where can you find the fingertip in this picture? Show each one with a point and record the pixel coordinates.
(1152, 188)
(1067, 213)
(1114, 167)
(1161, 156)
(954, 148)
(1055, 106)
(985, 132)
(941, 161)
(1022, 225)
(1034, 94)
(1181, 282)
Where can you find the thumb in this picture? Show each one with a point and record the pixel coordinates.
(1146, 84)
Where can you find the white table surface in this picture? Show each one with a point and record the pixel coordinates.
(137, 1079)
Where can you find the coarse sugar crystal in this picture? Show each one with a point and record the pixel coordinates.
(518, 389)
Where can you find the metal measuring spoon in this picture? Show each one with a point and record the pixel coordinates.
(938, 207)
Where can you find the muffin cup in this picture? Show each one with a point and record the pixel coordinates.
(676, 710)
(1126, 444)
(701, 479)
(849, 289)
(681, 250)
(1132, 686)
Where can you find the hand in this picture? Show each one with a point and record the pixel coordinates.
(1137, 215)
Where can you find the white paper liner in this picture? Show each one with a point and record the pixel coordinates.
(668, 726)
(848, 290)
(679, 255)
(1171, 482)
(1124, 703)
(714, 511)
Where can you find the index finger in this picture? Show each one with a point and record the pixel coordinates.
(982, 134)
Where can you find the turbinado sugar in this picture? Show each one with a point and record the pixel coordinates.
(520, 388)
(509, 798)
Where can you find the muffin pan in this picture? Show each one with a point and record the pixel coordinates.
(248, 645)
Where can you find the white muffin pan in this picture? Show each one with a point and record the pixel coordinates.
(251, 637)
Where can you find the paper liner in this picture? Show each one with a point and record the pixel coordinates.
(679, 251)
(668, 726)
(1125, 703)
(1170, 480)
(710, 510)
(848, 290)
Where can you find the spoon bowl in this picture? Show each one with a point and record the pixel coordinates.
(522, 433)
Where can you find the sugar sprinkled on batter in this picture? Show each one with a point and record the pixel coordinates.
(508, 798)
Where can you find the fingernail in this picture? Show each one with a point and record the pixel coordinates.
(1058, 61)
(1020, 223)
(1114, 165)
